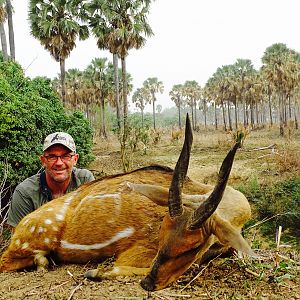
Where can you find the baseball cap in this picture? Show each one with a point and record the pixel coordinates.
(61, 138)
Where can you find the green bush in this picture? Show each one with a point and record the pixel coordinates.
(279, 203)
(30, 110)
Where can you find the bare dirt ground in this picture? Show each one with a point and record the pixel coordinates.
(274, 276)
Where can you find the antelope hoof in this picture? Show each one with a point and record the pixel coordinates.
(42, 269)
(94, 275)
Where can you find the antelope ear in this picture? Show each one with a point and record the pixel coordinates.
(157, 194)
(230, 236)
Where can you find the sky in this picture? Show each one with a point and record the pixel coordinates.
(192, 38)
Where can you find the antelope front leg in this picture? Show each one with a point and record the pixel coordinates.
(97, 274)
(135, 261)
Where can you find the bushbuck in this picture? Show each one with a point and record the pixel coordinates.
(121, 215)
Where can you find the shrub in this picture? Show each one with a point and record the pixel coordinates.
(279, 202)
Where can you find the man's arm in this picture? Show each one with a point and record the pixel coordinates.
(21, 205)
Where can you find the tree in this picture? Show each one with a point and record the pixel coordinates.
(243, 71)
(210, 93)
(73, 82)
(102, 81)
(192, 93)
(11, 34)
(54, 24)
(140, 97)
(279, 67)
(3, 16)
(153, 85)
(177, 96)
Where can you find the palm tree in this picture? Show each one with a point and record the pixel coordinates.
(55, 24)
(73, 82)
(11, 34)
(210, 93)
(243, 70)
(140, 97)
(102, 83)
(3, 16)
(192, 93)
(177, 95)
(153, 85)
(277, 63)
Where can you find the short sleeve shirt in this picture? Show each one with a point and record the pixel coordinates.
(33, 192)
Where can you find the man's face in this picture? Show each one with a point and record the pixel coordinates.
(58, 162)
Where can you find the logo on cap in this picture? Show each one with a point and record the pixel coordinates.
(59, 138)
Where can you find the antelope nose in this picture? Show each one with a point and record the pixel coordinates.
(148, 284)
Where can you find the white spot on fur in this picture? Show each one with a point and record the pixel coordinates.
(116, 197)
(103, 196)
(116, 270)
(25, 245)
(18, 242)
(49, 209)
(42, 229)
(47, 240)
(32, 229)
(48, 221)
(26, 221)
(59, 217)
(120, 235)
(69, 199)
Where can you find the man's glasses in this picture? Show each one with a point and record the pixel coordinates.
(54, 158)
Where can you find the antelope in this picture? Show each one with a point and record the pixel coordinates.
(120, 216)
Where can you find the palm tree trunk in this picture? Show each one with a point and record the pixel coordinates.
(153, 108)
(281, 114)
(244, 112)
(179, 116)
(216, 116)
(295, 113)
(204, 111)
(11, 34)
(252, 114)
(192, 112)
(3, 42)
(256, 112)
(270, 110)
(125, 157)
(142, 113)
(229, 115)
(195, 107)
(235, 114)
(62, 80)
(247, 112)
(124, 83)
(290, 107)
(103, 128)
(117, 95)
(224, 118)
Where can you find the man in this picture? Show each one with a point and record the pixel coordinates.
(58, 177)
